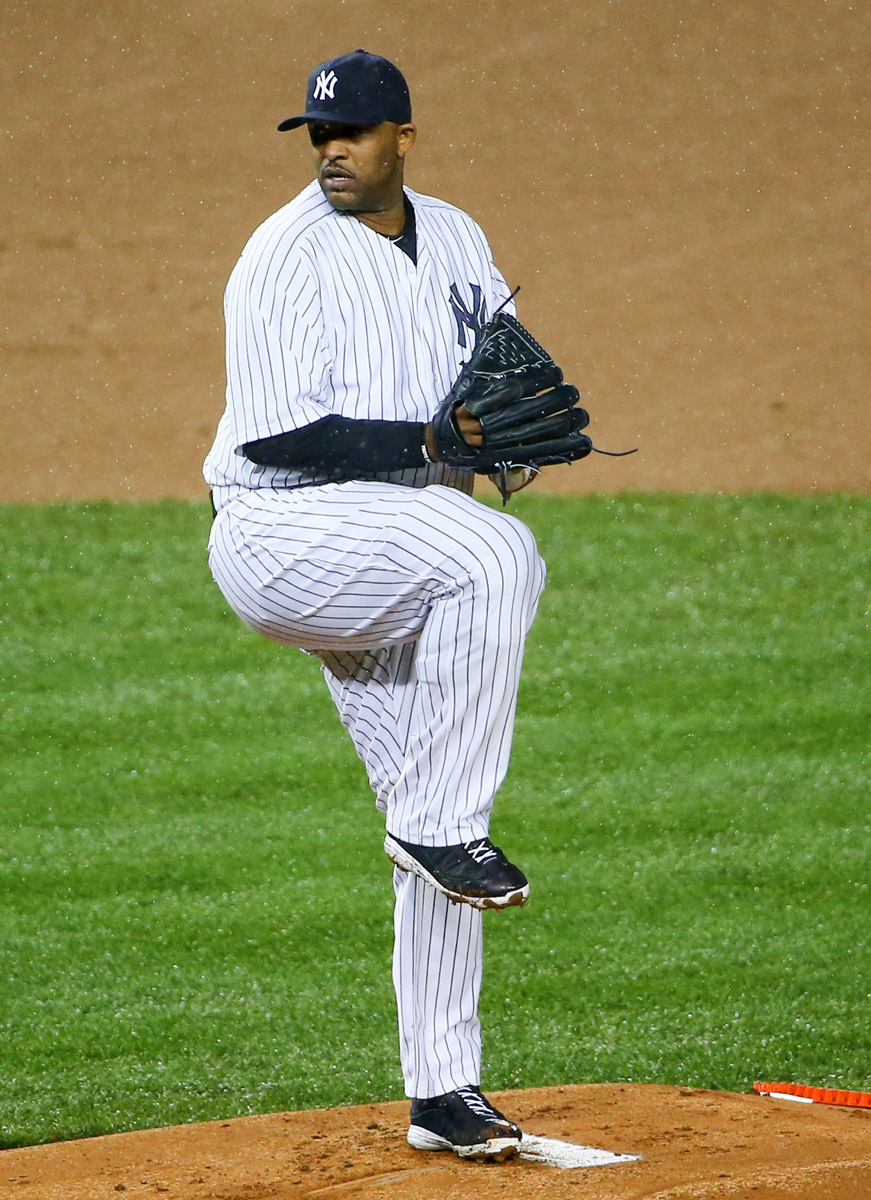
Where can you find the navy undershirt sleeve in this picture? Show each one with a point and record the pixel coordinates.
(343, 444)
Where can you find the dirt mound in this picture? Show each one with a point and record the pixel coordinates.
(696, 1145)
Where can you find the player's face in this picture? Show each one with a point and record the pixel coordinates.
(359, 168)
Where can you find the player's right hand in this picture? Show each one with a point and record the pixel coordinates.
(469, 428)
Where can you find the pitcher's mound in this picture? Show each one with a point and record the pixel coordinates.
(694, 1145)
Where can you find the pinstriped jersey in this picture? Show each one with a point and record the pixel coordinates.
(325, 316)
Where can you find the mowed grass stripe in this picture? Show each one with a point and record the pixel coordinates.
(196, 911)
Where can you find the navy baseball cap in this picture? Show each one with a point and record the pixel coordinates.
(355, 89)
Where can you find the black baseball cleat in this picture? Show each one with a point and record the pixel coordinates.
(467, 1123)
(475, 873)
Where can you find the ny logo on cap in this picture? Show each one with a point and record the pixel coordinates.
(325, 86)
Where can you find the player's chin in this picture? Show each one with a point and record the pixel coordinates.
(343, 199)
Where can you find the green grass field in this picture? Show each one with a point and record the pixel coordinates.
(196, 911)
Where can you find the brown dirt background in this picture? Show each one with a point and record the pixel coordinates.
(681, 188)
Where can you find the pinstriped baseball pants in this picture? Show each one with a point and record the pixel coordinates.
(418, 602)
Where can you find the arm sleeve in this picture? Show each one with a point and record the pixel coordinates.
(337, 443)
(501, 291)
(278, 369)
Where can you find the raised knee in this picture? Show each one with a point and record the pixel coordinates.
(523, 548)
(505, 559)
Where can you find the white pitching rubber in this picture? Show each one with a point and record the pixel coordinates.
(552, 1153)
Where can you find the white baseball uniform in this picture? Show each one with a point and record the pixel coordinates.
(416, 598)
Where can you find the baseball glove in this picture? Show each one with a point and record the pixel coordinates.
(528, 416)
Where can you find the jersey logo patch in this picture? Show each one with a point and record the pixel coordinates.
(325, 86)
(471, 320)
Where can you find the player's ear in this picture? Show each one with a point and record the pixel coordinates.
(405, 135)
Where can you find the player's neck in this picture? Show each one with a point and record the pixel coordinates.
(389, 221)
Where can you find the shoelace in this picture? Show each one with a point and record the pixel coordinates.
(482, 851)
(476, 1102)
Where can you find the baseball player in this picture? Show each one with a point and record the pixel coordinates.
(342, 529)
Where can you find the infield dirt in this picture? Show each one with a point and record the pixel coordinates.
(681, 189)
(696, 1145)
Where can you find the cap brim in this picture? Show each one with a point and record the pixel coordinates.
(333, 118)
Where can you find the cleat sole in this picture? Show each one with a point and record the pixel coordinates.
(493, 1150)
